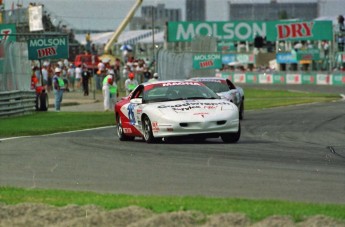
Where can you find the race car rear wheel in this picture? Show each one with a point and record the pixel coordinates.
(147, 127)
(120, 132)
(232, 137)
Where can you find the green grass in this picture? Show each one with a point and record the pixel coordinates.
(50, 122)
(261, 99)
(255, 209)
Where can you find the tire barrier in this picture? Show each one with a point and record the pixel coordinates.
(14, 103)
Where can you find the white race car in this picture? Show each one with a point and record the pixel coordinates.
(225, 89)
(174, 109)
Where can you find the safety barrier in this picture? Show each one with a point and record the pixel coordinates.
(17, 103)
(314, 78)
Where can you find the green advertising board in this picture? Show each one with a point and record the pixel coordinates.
(185, 31)
(207, 61)
(308, 54)
(7, 31)
(299, 30)
(48, 48)
(338, 79)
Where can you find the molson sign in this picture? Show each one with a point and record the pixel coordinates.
(207, 61)
(184, 31)
(236, 31)
(48, 48)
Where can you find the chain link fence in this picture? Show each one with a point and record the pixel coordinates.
(15, 68)
(177, 65)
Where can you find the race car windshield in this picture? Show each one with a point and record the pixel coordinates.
(216, 86)
(185, 92)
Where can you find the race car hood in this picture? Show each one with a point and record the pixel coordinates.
(194, 107)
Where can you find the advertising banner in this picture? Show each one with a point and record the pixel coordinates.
(323, 79)
(299, 30)
(48, 48)
(6, 30)
(286, 58)
(207, 61)
(338, 79)
(35, 18)
(308, 78)
(185, 31)
(293, 79)
(265, 78)
(251, 78)
(240, 78)
(238, 58)
(282, 78)
(308, 54)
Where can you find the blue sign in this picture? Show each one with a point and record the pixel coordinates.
(227, 58)
(286, 58)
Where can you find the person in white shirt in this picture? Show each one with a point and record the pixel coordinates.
(130, 83)
(110, 93)
(71, 76)
(78, 76)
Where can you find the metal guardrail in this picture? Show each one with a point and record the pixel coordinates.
(14, 103)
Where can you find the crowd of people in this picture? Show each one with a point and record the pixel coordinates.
(111, 79)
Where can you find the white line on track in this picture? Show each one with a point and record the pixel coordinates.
(57, 133)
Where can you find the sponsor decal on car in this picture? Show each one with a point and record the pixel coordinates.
(210, 107)
(194, 104)
(180, 83)
(131, 117)
(201, 114)
(155, 127)
(127, 130)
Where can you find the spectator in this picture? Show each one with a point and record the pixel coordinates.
(85, 76)
(100, 75)
(58, 87)
(78, 76)
(44, 75)
(34, 81)
(341, 33)
(71, 76)
(131, 83)
(147, 74)
(154, 78)
(110, 93)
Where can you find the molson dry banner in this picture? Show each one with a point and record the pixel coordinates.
(185, 31)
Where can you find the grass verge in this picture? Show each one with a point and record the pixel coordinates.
(256, 210)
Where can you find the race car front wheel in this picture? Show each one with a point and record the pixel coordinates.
(147, 127)
(232, 137)
(120, 132)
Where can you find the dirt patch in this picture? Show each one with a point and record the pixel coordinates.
(36, 215)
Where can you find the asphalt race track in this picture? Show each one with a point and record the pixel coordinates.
(292, 153)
